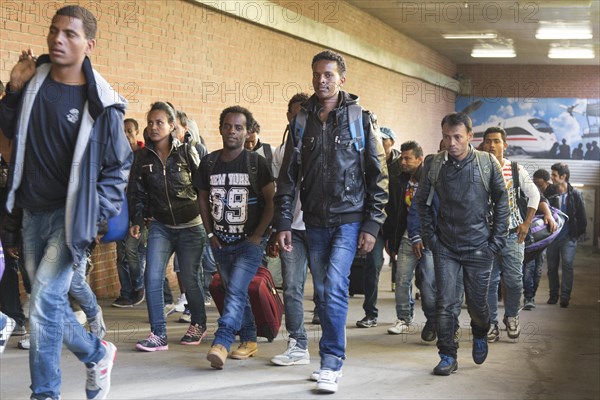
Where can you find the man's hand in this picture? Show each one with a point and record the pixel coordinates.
(214, 242)
(273, 246)
(284, 239)
(255, 239)
(549, 220)
(134, 231)
(522, 231)
(99, 238)
(23, 70)
(366, 241)
(418, 249)
(13, 252)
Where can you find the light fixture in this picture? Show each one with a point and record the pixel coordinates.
(470, 35)
(560, 30)
(493, 52)
(574, 52)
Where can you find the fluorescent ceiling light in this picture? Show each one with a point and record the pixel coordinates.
(470, 35)
(563, 31)
(571, 52)
(493, 52)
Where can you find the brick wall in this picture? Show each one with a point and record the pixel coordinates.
(203, 61)
(531, 81)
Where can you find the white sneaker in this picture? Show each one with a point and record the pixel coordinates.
(294, 355)
(180, 305)
(97, 384)
(6, 332)
(328, 381)
(24, 344)
(97, 325)
(315, 375)
(169, 309)
(400, 326)
(80, 316)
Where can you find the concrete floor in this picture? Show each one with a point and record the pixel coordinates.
(556, 357)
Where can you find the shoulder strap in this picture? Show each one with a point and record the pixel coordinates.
(514, 166)
(355, 122)
(212, 160)
(268, 154)
(300, 126)
(252, 164)
(433, 173)
(484, 163)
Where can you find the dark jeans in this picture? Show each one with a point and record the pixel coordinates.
(476, 267)
(9, 291)
(371, 277)
(532, 273)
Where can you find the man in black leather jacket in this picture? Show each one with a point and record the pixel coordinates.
(343, 188)
(463, 238)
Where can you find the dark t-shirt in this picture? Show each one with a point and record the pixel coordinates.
(51, 138)
(235, 207)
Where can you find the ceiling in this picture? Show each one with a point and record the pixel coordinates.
(511, 20)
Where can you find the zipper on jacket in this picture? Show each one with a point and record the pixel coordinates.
(164, 165)
(323, 158)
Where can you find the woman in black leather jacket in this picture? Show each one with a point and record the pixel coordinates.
(161, 192)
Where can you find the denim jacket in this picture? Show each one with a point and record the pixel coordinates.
(101, 161)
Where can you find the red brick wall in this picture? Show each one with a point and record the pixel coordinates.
(543, 81)
(203, 61)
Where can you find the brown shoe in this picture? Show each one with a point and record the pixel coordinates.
(217, 356)
(245, 350)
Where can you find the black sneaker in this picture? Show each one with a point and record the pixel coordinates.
(552, 300)
(153, 343)
(446, 366)
(315, 319)
(138, 296)
(194, 334)
(529, 304)
(367, 322)
(122, 302)
(564, 303)
(428, 333)
(480, 350)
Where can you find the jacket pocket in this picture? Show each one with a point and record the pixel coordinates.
(351, 186)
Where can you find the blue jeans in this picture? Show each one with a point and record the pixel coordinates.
(532, 273)
(476, 267)
(82, 292)
(50, 266)
(509, 263)
(188, 243)
(294, 268)
(131, 258)
(330, 252)
(372, 270)
(562, 249)
(209, 266)
(238, 264)
(405, 270)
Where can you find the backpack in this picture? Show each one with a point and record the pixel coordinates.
(484, 163)
(521, 198)
(252, 166)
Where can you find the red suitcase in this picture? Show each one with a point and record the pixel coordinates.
(266, 304)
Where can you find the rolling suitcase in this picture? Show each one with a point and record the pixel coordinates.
(266, 304)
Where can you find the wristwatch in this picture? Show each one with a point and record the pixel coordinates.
(210, 235)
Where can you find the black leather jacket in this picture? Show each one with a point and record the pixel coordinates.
(164, 192)
(462, 221)
(333, 190)
(575, 209)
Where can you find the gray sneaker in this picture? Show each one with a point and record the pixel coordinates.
(24, 344)
(97, 384)
(97, 325)
(513, 329)
(294, 355)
